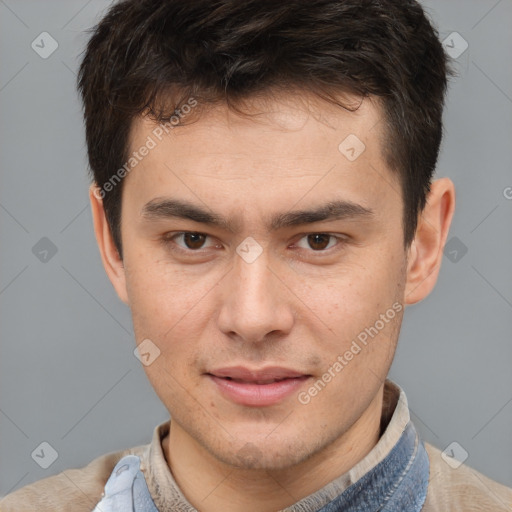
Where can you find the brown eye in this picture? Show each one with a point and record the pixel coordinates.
(318, 241)
(194, 240)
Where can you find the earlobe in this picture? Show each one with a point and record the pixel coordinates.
(426, 251)
(112, 262)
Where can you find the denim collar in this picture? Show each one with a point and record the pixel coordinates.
(398, 483)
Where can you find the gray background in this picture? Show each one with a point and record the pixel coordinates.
(68, 375)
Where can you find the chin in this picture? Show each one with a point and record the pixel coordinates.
(263, 455)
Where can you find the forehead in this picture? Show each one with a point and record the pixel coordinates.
(279, 152)
(302, 119)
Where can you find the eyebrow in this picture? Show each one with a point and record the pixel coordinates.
(157, 209)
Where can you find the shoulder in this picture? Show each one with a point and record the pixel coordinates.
(462, 488)
(74, 489)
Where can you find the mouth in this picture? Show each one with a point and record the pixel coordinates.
(266, 381)
(257, 388)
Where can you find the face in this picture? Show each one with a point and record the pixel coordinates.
(264, 259)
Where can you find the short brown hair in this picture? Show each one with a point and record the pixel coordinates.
(143, 51)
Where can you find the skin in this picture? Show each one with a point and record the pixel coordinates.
(297, 305)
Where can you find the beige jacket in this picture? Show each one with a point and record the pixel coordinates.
(79, 490)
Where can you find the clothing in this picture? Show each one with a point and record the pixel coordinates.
(461, 489)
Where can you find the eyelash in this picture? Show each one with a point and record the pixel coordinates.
(169, 242)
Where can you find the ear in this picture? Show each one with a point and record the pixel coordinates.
(426, 251)
(112, 262)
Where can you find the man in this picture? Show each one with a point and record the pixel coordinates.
(263, 202)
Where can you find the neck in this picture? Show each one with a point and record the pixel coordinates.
(210, 485)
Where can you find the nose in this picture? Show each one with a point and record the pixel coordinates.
(256, 304)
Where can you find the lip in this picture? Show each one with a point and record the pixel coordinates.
(254, 387)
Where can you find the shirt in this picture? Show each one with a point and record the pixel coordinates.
(450, 487)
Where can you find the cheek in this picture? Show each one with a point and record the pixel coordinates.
(167, 307)
(349, 298)
(161, 290)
